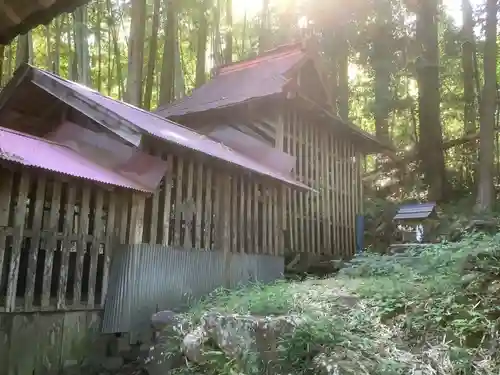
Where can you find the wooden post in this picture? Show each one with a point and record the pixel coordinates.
(82, 243)
(155, 208)
(241, 215)
(51, 243)
(110, 242)
(224, 229)
(257, 229)
(5, 199)
(98, 237)
(19, 226)
(189, 208)
(301, 160)
(207, 238)
(337, 196)
(294, 198)
(35, 242)
(199, 207)
(167, 193)
(178, 202)
(327, 188)
(137, 218)
(250, 227)
(234, 214)
(318, 209)
(332, 193)
(125, 203)
(69, 213)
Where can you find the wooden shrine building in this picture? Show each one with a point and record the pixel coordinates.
(80, 175)
(279, 100)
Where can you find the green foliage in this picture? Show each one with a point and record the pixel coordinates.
(363, 24)
(447, 290)
(426, 311)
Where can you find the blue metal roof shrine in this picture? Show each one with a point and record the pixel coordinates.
(415, 211)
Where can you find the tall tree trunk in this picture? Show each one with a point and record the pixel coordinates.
(343, 79)
(264, 27)
(431, 142)
(109, 83)
(243, 37)
(82, 46)
(71, 56)
(2, 54)
(168, 61)
(179, 83)
(23, 50)
(201, 50)
(468, 47)
(116, 48)
(334, 85)
(136, 52)
(153, 49)
(49, 61)
(487, 111)
(468, 51)
(98, 37)
(216, 45)
(57, 45)
(228, 52)
(381, 63)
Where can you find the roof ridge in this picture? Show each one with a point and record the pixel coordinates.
(115, 100)
(280, 48)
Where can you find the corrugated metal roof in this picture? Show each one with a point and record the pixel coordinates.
(255, 149)
(239, 82)
(260, 77)
(167, 130)
(145, 279)
(415, 211)
(110, 153)
(41, 153)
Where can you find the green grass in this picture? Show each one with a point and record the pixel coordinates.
(431, 311)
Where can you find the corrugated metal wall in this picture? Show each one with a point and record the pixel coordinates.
(148, 278)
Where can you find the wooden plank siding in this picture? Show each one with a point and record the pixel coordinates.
(57, 234)
(204, 207)
(43, 343)
(321, 222)
(56, 238)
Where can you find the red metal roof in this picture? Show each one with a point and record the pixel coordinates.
(167, 130)
(262, 76)
(41, 153)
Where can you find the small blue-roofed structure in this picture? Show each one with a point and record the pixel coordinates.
(415, 221)
(418, 211)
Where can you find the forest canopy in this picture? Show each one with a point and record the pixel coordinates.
(421, 75)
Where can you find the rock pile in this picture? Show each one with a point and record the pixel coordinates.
(252, 342)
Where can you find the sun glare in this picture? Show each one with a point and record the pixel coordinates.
(249, 7)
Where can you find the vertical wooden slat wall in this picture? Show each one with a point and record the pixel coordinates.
(203, 207)
(322, 221)
(56, 238)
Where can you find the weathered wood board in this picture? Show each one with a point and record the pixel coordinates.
(42, 343)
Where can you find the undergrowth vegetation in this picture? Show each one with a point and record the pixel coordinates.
(428, 311)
